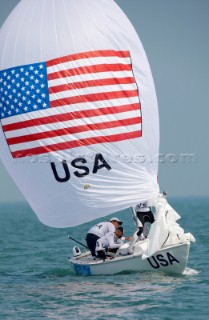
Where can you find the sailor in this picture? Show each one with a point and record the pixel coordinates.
(143, 214)
(109, 243)
(100, 230)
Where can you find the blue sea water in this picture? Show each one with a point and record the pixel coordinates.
(36, 281)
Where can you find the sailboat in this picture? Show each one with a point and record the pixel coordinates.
(79, 130)
(164, 249)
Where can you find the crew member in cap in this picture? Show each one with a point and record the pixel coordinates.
(109, 243)
(100, 230)
(144, 214)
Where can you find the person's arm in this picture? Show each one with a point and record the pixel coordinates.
(111, 227)
(120, 241)
(112, 243)
(126, 238)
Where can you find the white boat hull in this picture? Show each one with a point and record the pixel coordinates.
(171, 259)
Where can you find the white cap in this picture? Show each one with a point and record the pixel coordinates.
(116, 219)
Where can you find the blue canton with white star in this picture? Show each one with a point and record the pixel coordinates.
(23, 89)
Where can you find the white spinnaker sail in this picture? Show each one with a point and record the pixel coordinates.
(79, 118)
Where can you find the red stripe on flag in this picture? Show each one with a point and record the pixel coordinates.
(94, 97)
(89, 69)
(76, 143)
(70, 116)
(89, 54)
(73, 130)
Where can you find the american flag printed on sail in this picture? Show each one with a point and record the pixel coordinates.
(76, 100)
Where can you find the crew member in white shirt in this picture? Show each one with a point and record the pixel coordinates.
(99, 230)
(110, 242)
(144, 214)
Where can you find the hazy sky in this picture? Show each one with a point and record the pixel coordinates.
(175, 36)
